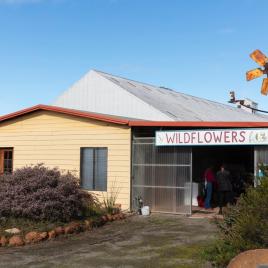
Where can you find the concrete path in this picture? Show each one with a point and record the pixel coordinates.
(154, 241)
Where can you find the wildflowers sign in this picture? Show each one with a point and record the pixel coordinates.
(212, 137)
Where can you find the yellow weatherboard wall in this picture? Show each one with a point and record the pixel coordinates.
(55, 140)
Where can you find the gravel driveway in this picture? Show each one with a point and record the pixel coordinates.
(154, 241)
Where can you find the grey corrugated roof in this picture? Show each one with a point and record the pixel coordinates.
(183, 107)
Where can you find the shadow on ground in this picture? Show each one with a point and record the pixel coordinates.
(155, 241)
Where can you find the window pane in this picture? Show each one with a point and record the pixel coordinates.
(6, 161)
(10, 155)
(101, 169)
(87, 170)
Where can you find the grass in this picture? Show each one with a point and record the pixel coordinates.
(189, 255)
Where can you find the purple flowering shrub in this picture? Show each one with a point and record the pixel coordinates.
(40, 193)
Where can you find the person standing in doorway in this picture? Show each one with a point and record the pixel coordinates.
(224, 187)
(209, 178)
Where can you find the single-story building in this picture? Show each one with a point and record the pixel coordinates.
(139, 139)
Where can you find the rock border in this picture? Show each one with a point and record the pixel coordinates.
(73, 227)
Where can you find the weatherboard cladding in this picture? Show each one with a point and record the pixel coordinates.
(54, 136)
(155, 103)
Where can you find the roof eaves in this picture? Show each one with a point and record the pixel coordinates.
(41, 107)
(196, 124)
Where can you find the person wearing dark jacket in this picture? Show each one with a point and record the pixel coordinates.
(224, 187)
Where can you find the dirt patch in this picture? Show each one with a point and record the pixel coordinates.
(155, 241)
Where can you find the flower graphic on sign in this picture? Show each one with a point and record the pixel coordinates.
(258, 137)
(261, 137)
(160, 138)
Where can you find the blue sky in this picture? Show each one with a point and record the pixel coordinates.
(197, 47)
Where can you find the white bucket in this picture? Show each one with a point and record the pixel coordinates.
(145, 211)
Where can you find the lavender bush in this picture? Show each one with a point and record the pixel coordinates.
(40, 193)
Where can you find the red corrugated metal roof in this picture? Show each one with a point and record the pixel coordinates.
(40, 107)
(129, 122)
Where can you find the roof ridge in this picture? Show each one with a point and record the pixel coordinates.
(121, 77)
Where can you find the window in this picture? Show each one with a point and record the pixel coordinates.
(94, 168)
(6, 160)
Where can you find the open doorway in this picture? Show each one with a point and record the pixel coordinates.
(239, 160)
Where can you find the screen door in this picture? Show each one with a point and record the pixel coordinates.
(162, 176)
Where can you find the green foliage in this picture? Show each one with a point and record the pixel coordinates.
(219, 253)
(244, 227)
(109, 199)
(93, 210)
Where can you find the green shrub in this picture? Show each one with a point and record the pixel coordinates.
(110, 198)
(244, 227)
(219, 253)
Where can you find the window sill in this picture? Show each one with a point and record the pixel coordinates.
(92, 190)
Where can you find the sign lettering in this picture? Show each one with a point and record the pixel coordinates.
(212, 137)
